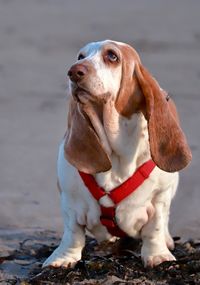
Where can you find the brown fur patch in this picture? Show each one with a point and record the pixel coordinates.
(130, 99)
(168, 145)
(83, 148)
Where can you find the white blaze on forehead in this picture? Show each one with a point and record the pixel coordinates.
(107, 77)
(91, 48)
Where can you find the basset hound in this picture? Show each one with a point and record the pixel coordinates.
(119, 160)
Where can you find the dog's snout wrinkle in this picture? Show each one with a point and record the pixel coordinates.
(77, 72)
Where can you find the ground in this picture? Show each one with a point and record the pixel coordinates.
(108, 263)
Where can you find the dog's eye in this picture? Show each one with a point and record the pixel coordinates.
(81, 56)
(112, 56)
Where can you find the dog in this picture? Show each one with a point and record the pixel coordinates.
(118, 162)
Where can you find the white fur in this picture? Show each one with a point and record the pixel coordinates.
(144, 213)
(106, 79)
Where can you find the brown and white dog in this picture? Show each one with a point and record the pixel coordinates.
(118, 119)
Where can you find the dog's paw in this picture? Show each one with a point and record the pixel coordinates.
(66, 260)
(154, 260)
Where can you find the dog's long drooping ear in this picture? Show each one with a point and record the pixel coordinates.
(83, 148)
(168, 145)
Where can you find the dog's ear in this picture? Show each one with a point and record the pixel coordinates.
(168, 145)
(83, 148)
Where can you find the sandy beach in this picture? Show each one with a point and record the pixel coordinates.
(39, 40)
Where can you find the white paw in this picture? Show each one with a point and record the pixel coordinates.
(59, 259)
(67, 262)
(154, 260)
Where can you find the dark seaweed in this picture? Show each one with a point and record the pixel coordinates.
(108, 263)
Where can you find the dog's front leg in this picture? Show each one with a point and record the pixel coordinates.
(69, 251)
(154, 247)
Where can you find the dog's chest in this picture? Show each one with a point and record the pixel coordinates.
(128, 140)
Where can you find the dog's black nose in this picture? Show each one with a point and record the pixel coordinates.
(77, 72)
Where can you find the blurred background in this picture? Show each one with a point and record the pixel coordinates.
(39, 40)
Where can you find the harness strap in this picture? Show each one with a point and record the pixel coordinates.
(117, 194)
(132, 183)
(89, 181)
(108, 220)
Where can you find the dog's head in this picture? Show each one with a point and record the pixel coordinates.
(110, 70)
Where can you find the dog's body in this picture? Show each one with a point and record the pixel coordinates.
(119, 118)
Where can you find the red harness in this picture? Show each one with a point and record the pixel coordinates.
(117, 195)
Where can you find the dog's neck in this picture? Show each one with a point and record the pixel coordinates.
(128, 140)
